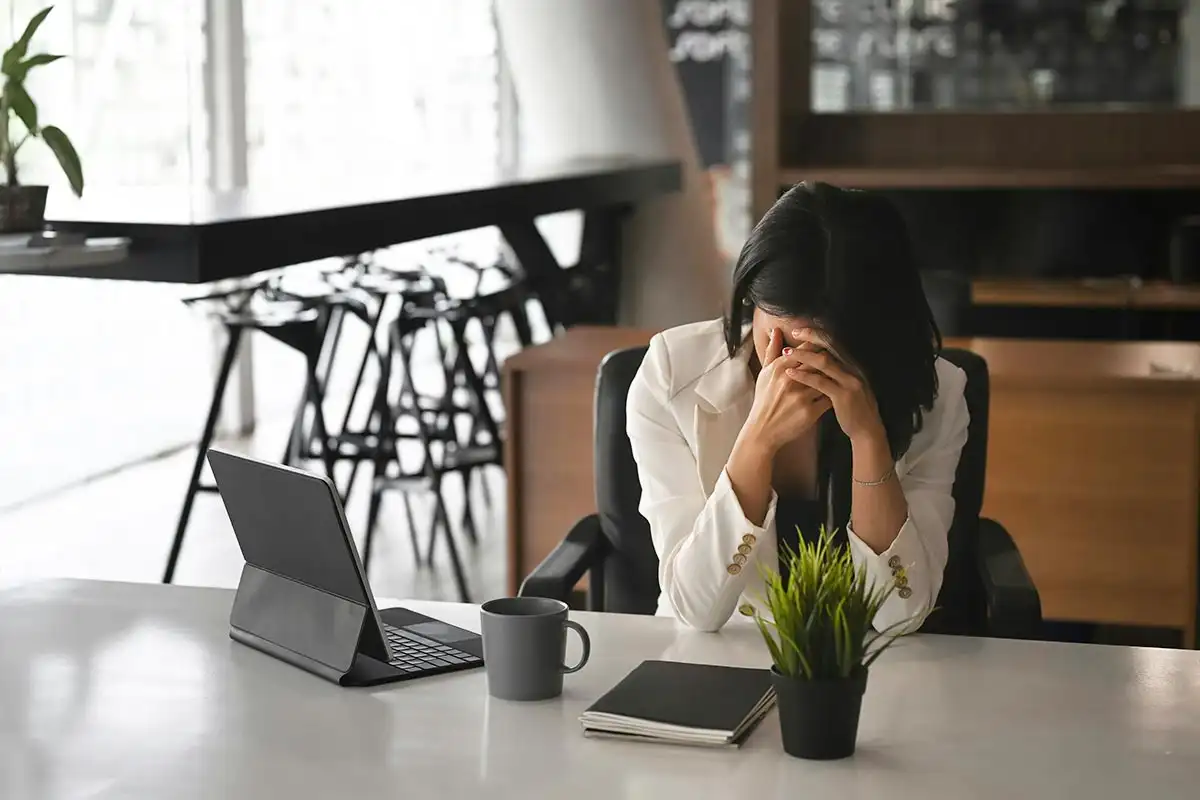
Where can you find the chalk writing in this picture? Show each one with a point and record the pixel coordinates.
(709, 14)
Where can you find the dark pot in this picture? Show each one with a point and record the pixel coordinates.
(819, 719)
(22, 209)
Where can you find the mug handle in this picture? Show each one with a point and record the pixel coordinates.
(587, 647)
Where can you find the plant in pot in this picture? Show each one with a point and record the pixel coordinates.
(817, 623)
(23, 208)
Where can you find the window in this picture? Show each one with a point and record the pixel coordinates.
(368, 94)
(376, 93)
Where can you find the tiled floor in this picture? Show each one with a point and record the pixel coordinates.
(119, 527)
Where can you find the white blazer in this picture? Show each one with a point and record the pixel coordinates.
(685, 409)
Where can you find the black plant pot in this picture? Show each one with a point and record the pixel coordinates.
(22, 209)
(819, 719)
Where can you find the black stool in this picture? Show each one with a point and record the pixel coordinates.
(431, 422)
(299, 322)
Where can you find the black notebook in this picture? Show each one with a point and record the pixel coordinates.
(680, 703)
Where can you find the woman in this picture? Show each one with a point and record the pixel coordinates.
(819, 400)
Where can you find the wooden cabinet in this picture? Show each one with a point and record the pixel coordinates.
(548, 396)
(1098, 125)
(1094, 468)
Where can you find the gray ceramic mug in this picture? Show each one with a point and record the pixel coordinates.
(525, 645)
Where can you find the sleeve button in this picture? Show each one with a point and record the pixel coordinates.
(749, 538)
(744, 549)
(733, 569)
(905, 592)
(894, 562)
(739, 559)
(746, 610)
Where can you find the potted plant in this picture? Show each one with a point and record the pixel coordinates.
(23, 208)
(818, 626)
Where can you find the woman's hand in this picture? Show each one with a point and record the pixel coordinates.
(812, 366)
(784, 407)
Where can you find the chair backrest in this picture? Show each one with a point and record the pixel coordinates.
(949, 298)
(631, 569)
(961, 607)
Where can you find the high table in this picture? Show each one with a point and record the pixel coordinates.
(204, 236)
(124, 690)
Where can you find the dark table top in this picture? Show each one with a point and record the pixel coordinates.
(554, 186)
(198, 236)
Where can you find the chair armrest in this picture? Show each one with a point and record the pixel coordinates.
(1014, 608)
(582, 550)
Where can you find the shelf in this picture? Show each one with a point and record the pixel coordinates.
(1110, 293)
(1165, 177)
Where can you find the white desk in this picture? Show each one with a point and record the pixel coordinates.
(122, 690)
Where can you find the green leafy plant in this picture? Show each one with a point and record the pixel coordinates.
(16, 105)
(819, 621)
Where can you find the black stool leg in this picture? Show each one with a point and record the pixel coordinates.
(371, 349)
(316, 396)
(441, 516)
(292, 448)
(372, 518)
(441, 519)
(381, 415)
(461, 371)
(412, 528)
(210, 426)
(332, 322)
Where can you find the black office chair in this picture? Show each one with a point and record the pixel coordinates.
(986, 590)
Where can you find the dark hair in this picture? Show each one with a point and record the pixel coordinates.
(843, 258)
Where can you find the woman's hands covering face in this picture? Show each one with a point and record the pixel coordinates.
(784, 407)
(815, 364)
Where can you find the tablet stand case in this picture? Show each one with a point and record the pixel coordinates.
(329, 636)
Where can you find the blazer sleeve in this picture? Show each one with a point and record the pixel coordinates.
(697, 537)
(917, 558)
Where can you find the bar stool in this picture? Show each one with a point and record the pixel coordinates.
(298, 321)
(457, 433)
(387, 287)
(403, 412)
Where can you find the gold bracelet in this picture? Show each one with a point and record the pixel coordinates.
(887, 476)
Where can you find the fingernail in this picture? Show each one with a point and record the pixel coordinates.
(787, 351)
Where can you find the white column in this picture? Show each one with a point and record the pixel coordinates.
(593, 78)
(225, 95)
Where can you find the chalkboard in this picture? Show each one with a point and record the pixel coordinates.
(706, 39)
(709, 43)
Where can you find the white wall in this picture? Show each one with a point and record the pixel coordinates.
(593, 78)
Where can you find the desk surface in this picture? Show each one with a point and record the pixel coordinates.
(123, 690)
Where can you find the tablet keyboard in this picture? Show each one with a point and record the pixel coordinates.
(412, 653)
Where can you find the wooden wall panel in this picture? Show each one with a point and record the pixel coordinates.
(1101, 501)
